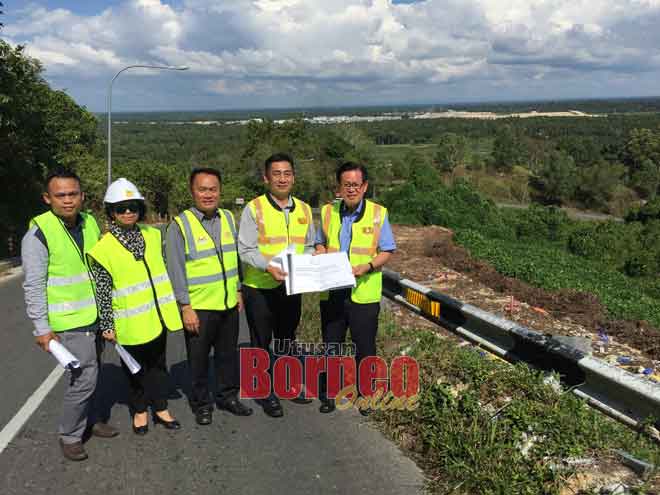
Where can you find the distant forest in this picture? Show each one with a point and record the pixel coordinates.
(599, 106)
(609, 163)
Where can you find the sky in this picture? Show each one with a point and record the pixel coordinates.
(310, 53)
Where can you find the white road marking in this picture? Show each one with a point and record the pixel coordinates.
(11, 274)
(20, 418)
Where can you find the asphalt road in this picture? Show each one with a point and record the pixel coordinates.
(303, 452)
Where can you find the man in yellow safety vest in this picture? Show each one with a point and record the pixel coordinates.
(202, 261)
(271, 223)
(60, 301)
(361, 229)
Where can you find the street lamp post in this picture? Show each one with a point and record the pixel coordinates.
(109, 103)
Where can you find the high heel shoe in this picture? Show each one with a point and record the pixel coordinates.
(169, 425)
(140, 430)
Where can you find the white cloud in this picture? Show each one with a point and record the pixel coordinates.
(335, 47)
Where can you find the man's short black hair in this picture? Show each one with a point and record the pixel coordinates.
(61, 172)
(349, 166)
(278, 157)
(204, 170)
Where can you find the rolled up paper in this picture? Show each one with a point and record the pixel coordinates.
(130, 362)
(62, 354)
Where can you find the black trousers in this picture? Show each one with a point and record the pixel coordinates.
(272, 314)
(217, 330)
(150, 386)
(338, 314)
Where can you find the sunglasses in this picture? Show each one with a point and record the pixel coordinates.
(127, 206)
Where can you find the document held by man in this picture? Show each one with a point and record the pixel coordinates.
(307, 273)
(63, 355)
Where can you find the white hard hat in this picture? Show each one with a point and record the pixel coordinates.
(122, 190)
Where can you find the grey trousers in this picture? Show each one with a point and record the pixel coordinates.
(80, 385)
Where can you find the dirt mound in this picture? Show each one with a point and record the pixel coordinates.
(423, 251)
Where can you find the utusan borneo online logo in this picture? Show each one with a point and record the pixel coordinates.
(293, 367)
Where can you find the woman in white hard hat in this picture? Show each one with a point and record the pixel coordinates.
(136, 301)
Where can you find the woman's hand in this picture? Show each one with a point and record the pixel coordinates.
(109, 335)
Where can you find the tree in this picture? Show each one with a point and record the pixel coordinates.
(642, 145)
(39, 129)
(584, 151)
(598, 183)
(647, 213)
(509, 149)
(556, 181)
(646, 179)
(451, 151)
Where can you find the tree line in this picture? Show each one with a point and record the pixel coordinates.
(585, 162)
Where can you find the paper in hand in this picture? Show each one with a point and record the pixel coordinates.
(63, 356)
(309, 273)
(130, 362)
(281, 259)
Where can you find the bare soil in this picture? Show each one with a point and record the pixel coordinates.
(429, 256)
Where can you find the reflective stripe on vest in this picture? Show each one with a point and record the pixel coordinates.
(274, 235)
(135, 309)
(69, 289)
(72, 306)
(365, 235)
(132, 289)
(212, 283)
(60, 281)
(127, 313)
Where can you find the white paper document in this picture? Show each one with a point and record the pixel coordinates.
(130, 362)
(63, 355)
(307, 273)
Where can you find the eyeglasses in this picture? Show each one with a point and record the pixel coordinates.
(287, 174)
(351, 186)
(126, 206)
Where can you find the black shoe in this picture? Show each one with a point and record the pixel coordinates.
(235, 406)
(366, 411)
(301, 399)
(327, 406)
(204, 416)
(141, 430)
(169, 425)
(273, 408)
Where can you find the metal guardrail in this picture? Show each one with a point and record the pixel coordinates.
(619, 394)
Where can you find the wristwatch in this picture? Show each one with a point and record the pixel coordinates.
(371, 267)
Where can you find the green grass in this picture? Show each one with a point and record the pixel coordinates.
(474, 413)
(545, 265)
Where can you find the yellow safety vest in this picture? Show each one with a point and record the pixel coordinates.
(275, 235)
(211, 270)
(141, 289)
(365, 235)
(69, 289)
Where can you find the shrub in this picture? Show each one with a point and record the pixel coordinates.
(539, 222)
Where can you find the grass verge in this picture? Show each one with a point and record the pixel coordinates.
(485, 426)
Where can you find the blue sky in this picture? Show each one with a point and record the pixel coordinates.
(287, 53)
